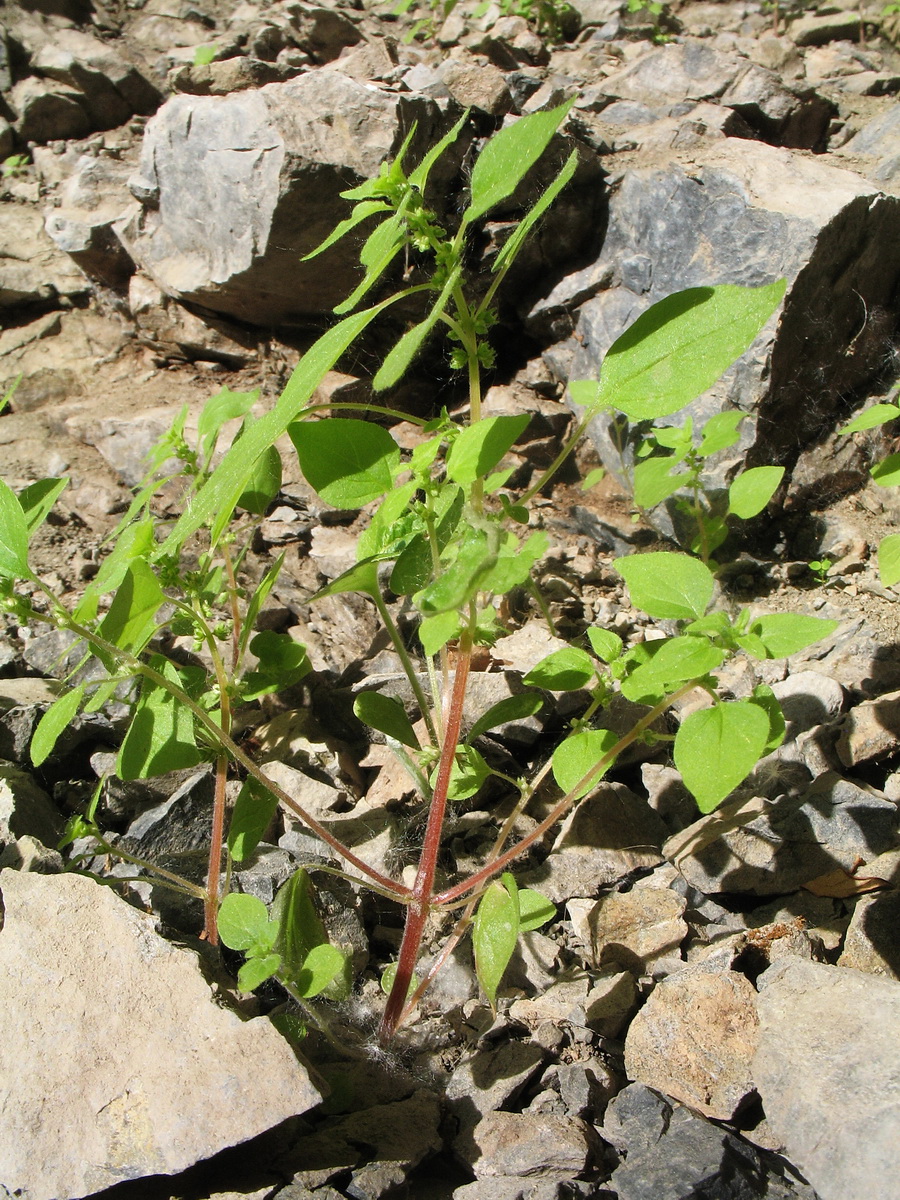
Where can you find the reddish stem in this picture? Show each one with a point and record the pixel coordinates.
(215, 854)
(423, 888)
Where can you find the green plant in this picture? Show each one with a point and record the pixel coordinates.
(554, 18)
(886, 473)
(820, 568)
(656, 477)
(15, 166)
(449, 538)
(204, 55)
(656, 12)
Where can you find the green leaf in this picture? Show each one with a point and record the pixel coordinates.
(361, 578)
(535, 910)
(593, 478)
(878, 414)
(361, 212)
(654, 481)
(321, 967)
(130, 622)
(437, 631)
(494, 936)
(57, 718)
(415, 567)
(752, 491)
(887, 472)
(680, 346)
(784, 634)
(579, 754)
(389, 974)
(720, 432)
(160, 737)
(605, 644)
(765, 698)
(508, 156)
(401, 355)
(282, 662)
(256, 971)
(135, 541)
(889, 559)
(13, 536)
(225, 405)
(675, 661)
(514, 562)
(263, 484)
(387, 532)
(386, 715)
(513, 708)
(215, 502)
(380, 249)
(348, 462)
(419, 177)
(480, 447)
(667, 585)
(467, 775)
(513, 245)
(38, 499)
(253, 811)
(300, 927)
(243, 921)
(258, 599)
(458, 584)
(717, 748)
(564, 670)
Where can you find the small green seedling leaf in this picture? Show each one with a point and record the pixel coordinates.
(348, 462)
(878, 414)
(667, 585)
(494, 936)
(605, 644)
(480, 447)
(299, 926)
(389, 974)
(508, 156)
(720, 432)
(321, 967)
(435, 632)
(752, 491)
(256, 971)
(253, 811)
(387, 715)
(467, 775)
(784, 634)
(13, 536)
(717, 748)
(224, 406)
(244, 922)
(513, 708)
(593, 478)
(889, 559)
(676, 661)
(204, 55)
(535, 910)
(263, 484)
(55, 720)
(578, 755)
(887, 472)
(680, 346)
(38, 499)
(765, 698)
(654, 481)
(564, 670)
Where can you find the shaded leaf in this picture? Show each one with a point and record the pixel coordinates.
(565, 670)
(494, 936)
(387, 715)
(252, 815)
(578, 755)
(513, 708)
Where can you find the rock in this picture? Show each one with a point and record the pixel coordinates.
(117, 1062)
(825, 1069)
(113, 89)
(770, 848)
(26, 809)
(877, 144)
(610, 834)
(211, 165)
(808, 699)
(872, 943)
(527, 1145)
(672, 1152)
(474, 84)
(34, 270)
(633, 929)
(814, 30)
(47, 112)
(491, 1077)
(739, 212)
(870, 730)
(228, 75)
(680, 71)
(694, 1039)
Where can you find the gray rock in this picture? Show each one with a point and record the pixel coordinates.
(826, 1072)
(877, 141)
(694, 1039)
(770, 848)
(48, 111)
(869, 731)
(268, 164)
(112, 88)
(34, 271)
(492, 1077)
(92, 199)
(807, 699)
(117, 1063)
(527, 1144)
(872, 942)
(691, 70)
(632, 929)
(26, 808)
(674, 1153)
(745, 213)
(816, 30)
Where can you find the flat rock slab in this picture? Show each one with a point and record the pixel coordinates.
(115, 1061)
(827, 1071)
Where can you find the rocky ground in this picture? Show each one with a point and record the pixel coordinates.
(716, 1009)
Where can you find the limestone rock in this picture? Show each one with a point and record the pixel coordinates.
(236, 189)
(33, 271)
(527, 1144)
(870, 730)
(115, 1063)
(491, 1077)
(112, 88)
(26, 808)
(873, 936)
(48, 111)
(771, 848)
(694, 1039)
(634, 928)
(826, 1070)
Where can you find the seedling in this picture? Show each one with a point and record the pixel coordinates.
(820, 568)
(886, 473)
(447, 536)
(15, 166)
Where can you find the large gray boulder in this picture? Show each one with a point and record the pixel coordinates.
(236, 189)
(740, 212)
(116, 1061)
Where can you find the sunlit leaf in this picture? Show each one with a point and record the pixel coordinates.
(578, 755)
(494, 936)
(348, 462)
(667, 585)
(752, 491)
(717, 748)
